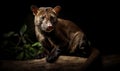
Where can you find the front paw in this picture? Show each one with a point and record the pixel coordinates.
(52, 57)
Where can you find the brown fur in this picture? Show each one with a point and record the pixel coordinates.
(66, 37)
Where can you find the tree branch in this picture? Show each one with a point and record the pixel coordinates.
(64, 63)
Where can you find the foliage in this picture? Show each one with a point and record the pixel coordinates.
(20, 46)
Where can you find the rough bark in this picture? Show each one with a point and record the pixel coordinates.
(64, 63)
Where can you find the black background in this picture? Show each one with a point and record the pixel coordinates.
(96, 18)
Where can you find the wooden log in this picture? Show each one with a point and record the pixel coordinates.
(64, 63)
(111, 62)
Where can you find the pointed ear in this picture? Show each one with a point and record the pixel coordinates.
(57, 9)
(34, 9)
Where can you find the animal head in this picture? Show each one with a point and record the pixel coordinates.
(45, 17)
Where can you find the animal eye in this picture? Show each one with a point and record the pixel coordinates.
(51, 17)
(42, 17)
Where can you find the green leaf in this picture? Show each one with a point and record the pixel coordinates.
(9, 34)
(16, 34)
(39, 52)
(20, 56)
(23, 29)
(32, 55)
(36, 44)
(23, 40)
(32, 50)
(27, 56)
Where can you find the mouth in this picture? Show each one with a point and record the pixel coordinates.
(49, 29)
